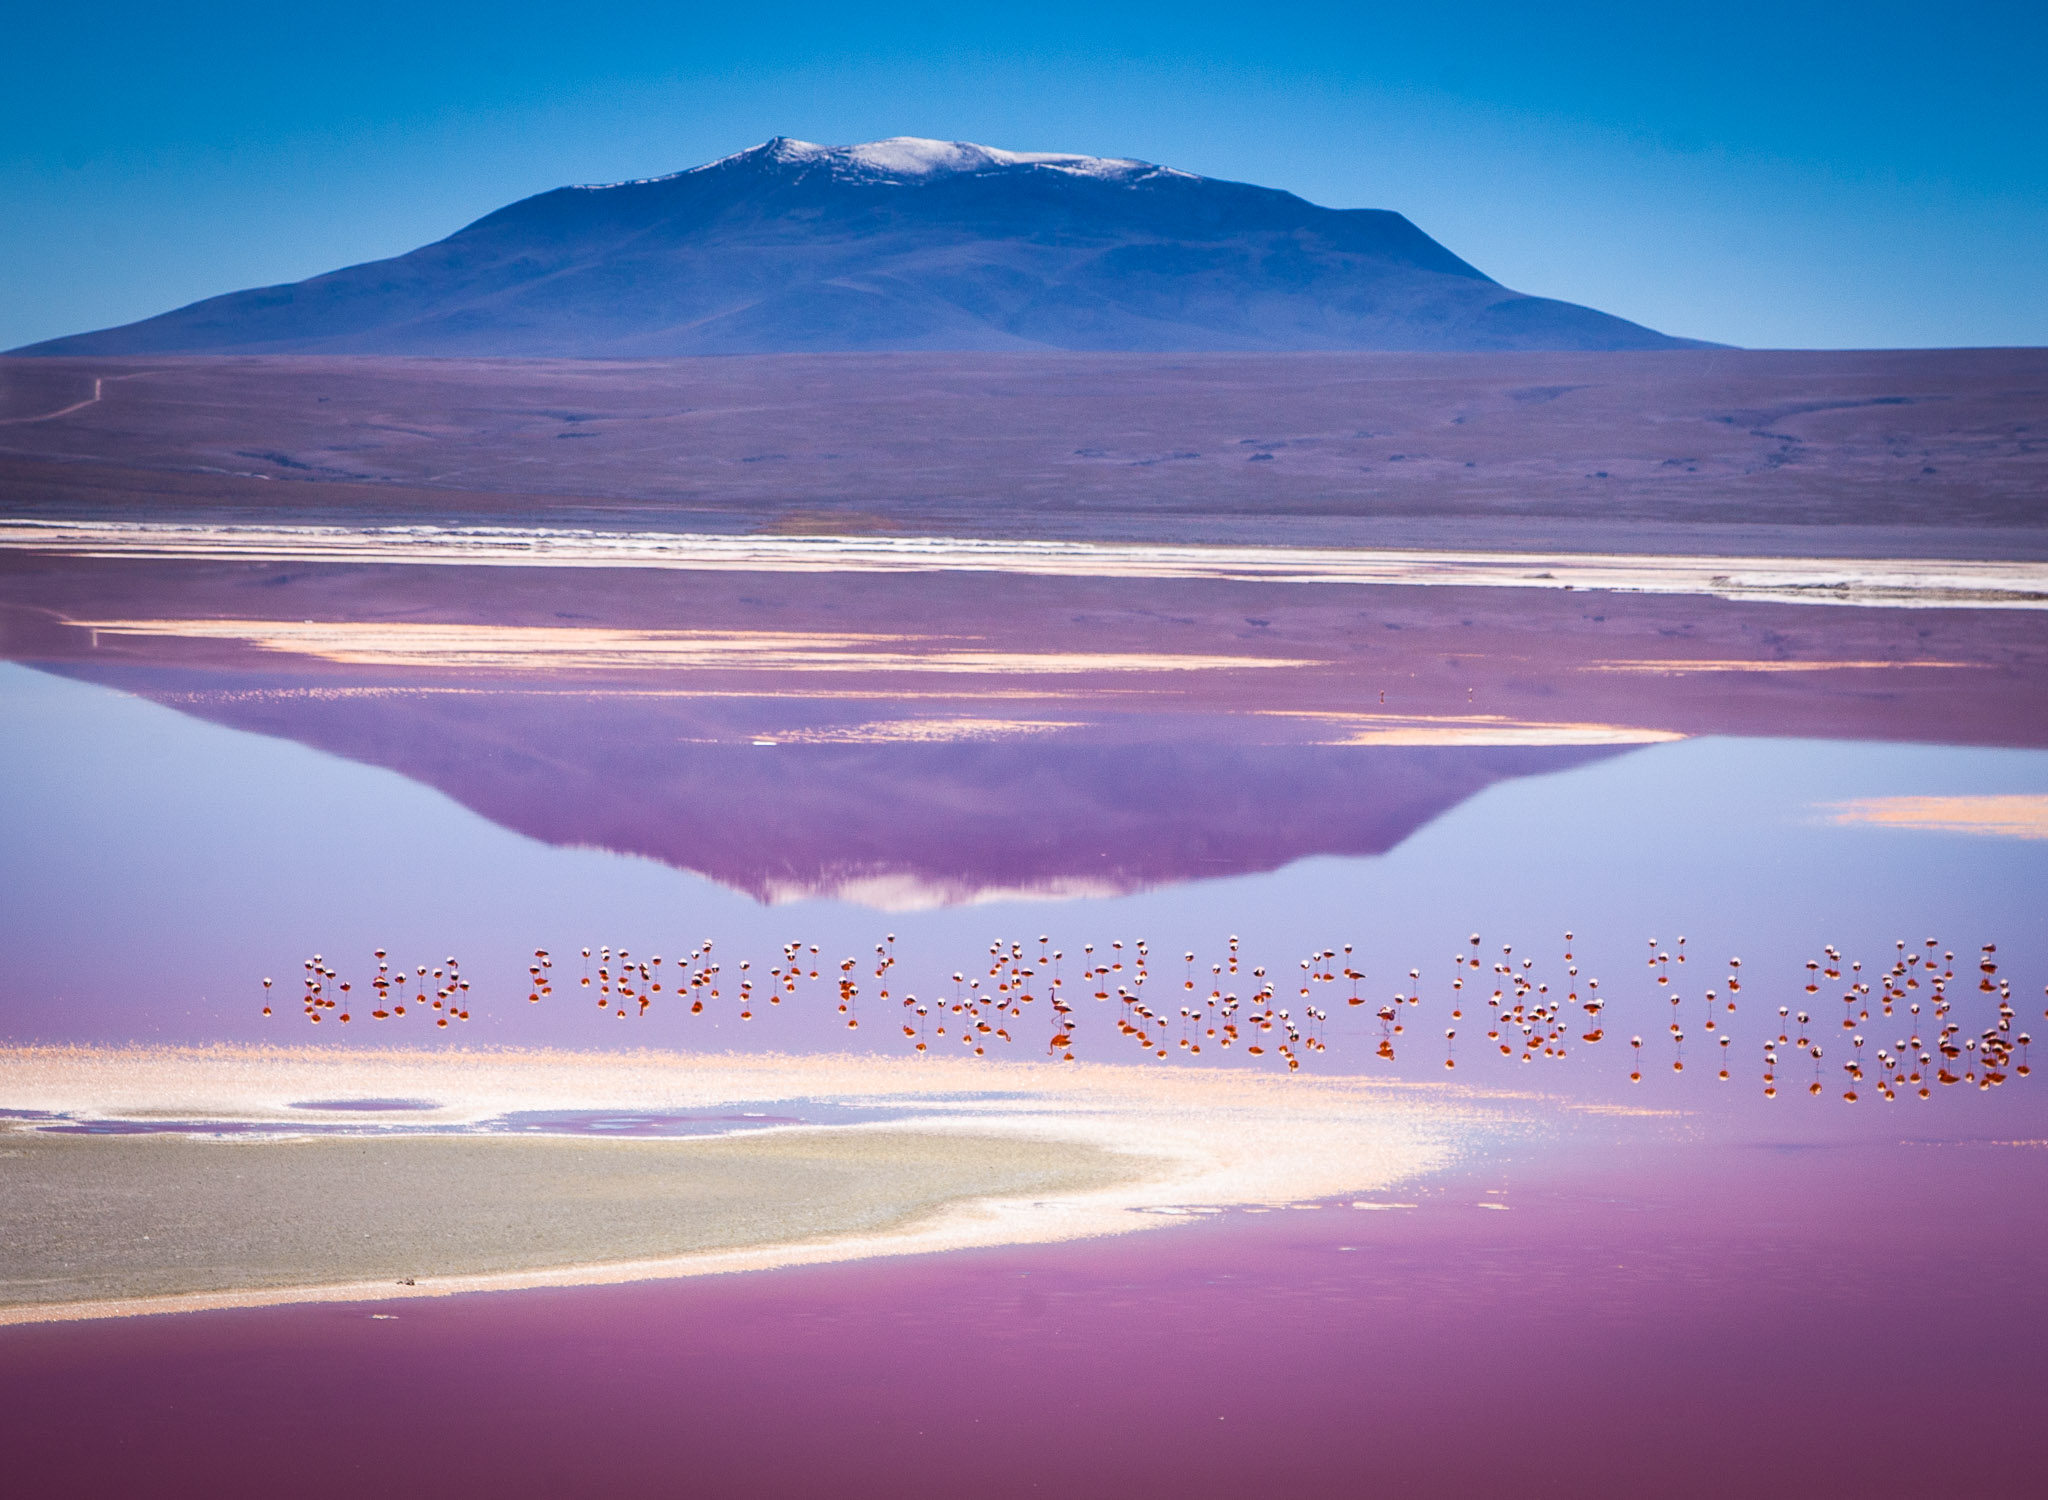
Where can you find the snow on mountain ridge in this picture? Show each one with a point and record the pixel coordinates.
(911, 158)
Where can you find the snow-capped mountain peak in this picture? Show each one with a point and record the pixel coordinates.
(910, 159)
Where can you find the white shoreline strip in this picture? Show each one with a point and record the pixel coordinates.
(1896, 582)
(1203, 1138)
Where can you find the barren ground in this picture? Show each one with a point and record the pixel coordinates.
(1901, 453)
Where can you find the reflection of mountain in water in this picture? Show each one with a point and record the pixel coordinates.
(894, 826)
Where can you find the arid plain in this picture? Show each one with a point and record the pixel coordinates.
(1915, 453)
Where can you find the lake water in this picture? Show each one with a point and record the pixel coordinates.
(160, 867)
(1660, 1317)
(1732, 1292)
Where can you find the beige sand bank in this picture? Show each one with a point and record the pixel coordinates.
(490, 647)
(100, 1218)
(2010, 815)
(981, 1155)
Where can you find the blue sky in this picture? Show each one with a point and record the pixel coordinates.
(1781, 175)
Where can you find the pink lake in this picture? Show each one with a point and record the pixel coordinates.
(1742, 1295)
(1645, 1316)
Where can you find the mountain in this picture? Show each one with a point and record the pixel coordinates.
(896, 244)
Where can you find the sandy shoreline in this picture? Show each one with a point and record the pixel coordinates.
(1011, 1154)
(1896, 583)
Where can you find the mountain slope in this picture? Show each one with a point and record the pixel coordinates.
(900, 244)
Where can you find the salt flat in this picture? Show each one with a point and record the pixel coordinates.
(1894, 582)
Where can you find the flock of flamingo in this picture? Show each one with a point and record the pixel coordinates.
(1167, 1010)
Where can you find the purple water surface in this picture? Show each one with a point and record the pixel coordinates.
(1786, 1296)
(1646, 1316)
(525, 1121)
(159, 867)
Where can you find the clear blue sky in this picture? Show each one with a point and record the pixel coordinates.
(1765, 174)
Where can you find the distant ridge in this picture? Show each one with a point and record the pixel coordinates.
(896, 244)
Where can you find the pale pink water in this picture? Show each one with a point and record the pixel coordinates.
(1661, 1309)
(1657, 1319)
